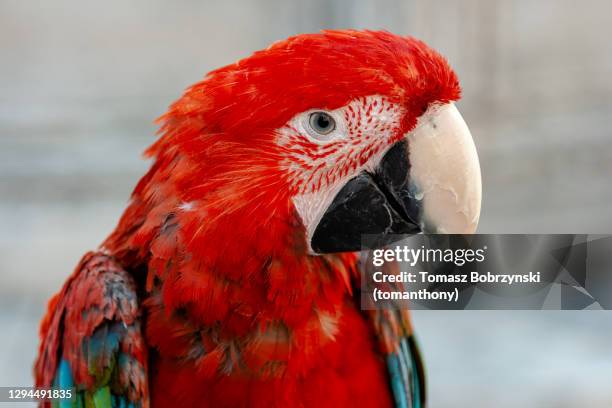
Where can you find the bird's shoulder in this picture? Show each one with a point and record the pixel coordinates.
(91, 338)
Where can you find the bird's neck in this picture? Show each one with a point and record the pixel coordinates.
(235, 269)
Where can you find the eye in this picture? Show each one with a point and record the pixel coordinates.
(322, 123)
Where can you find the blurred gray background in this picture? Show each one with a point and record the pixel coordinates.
(81, 83)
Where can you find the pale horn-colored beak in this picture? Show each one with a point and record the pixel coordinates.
(445, 172)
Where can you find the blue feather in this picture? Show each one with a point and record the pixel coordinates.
(102, 346)
(65, 381)
(412, 380)
(397, 383)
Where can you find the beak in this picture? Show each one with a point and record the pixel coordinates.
(427, 182)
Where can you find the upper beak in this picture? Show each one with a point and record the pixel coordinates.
(445, 172)
(427, 182)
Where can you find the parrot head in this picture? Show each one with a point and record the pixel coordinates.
(347, 132)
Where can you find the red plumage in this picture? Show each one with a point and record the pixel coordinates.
(236, 309)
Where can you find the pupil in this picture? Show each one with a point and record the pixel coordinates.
(323, 121)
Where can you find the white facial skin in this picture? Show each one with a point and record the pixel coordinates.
(320, 165)
(444, 164)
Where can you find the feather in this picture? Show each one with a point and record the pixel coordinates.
(216, 275)
(64, 380)
(96, 332)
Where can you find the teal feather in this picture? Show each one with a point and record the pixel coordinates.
(102, 347)
(119, 401)
(105, 327)
(65, 381)
(405, 372)
(405, 369)
(397, 383)
(418, 373)
(415, 385)
(102, 352)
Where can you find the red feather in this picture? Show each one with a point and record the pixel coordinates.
(236, 308)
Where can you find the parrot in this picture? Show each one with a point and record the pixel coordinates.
(232, 278)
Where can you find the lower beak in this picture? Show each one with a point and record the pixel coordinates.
(427, 182)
